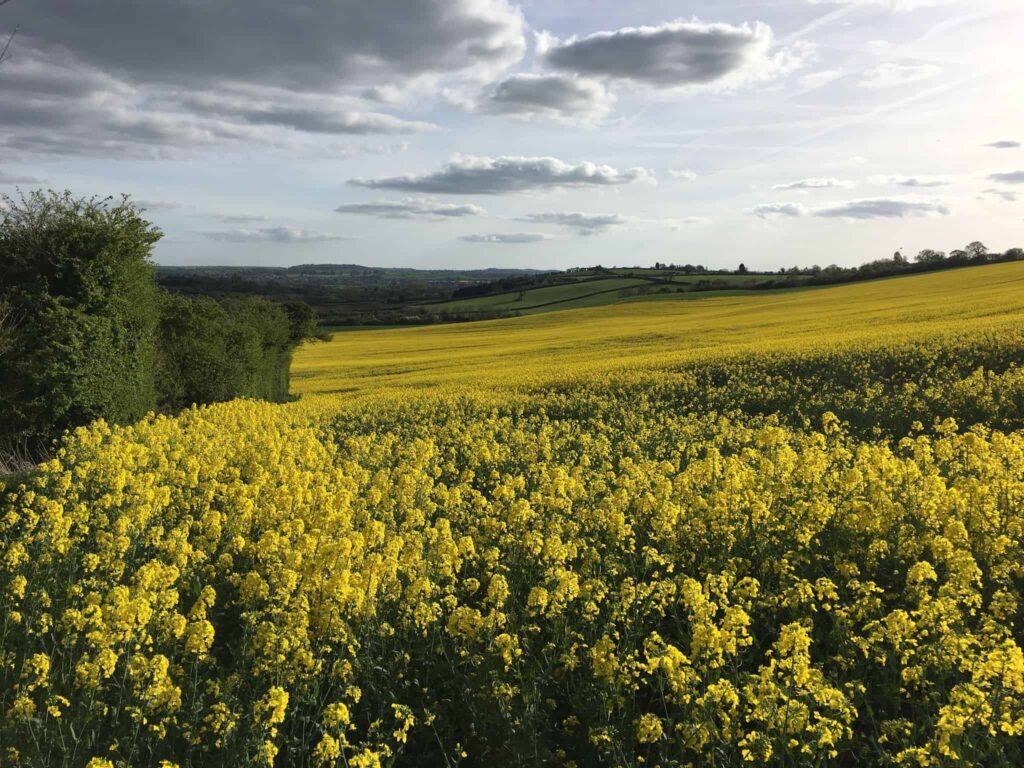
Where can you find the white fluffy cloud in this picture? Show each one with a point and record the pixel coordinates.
(470, 175)
(680, 53)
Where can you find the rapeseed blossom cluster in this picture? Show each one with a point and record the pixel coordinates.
(675, 568)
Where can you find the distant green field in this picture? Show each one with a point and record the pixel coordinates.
(592, 289)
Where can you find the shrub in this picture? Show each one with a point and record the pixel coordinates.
(78, 278)
(212, 351)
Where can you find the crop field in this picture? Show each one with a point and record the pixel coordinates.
(609, 286)
(782, 530)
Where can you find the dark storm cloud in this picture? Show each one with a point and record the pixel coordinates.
(679, 53)
(468, 175)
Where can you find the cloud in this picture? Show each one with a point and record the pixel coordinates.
(890, 75)
(511, 238)
(166, 78)
(883, 208)
(272, 235)
(874, 208)
(1013, 177)
(893, 5)
(682, 174)
(14, 178)
(676, 54)
(689, 221)
(310, 114)
(775, 210)
(411, 208)
(805, 184)
(1007, 196)
(469, 175)
(113, 117)
(911, 181)
(1004, 145)
(240, 218)
(584, 224)
(550, 95)
(159, 205)
(301, 44)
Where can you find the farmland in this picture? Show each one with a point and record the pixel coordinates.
(781, 529)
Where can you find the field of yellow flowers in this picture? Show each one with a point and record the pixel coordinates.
(772, 531)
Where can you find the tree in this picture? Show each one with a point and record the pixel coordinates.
(899, 258)
(977, 251)
(301, 319)
(1014, 254)
(5, 51)
(210, 351)
(929, 256)
(742, 270)
(78, 277)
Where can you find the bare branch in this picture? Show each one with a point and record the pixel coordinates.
(4, 56)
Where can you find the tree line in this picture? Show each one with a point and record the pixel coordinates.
(86, 333)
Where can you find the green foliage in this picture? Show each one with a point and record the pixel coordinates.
(302, 320)
(212, 351)
(78, 281)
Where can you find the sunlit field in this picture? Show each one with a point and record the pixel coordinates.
(781, 530)
(663, 333)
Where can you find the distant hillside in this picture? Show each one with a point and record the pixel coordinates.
(345, 294)
(356, 295)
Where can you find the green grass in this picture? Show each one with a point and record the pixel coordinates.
(594, 289)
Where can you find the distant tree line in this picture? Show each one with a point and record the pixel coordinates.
(86, 333)
(927, 260)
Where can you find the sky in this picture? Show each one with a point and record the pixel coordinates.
(543, 134)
